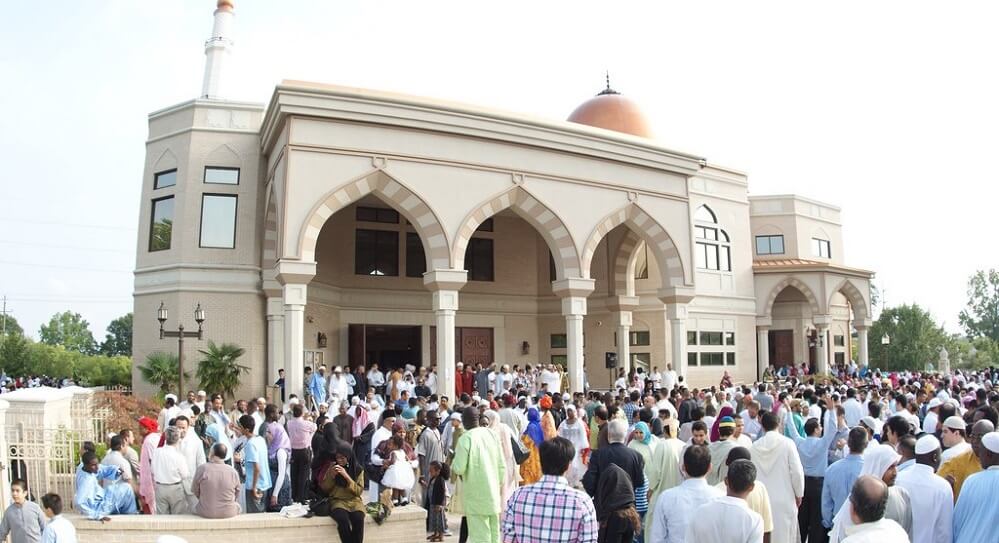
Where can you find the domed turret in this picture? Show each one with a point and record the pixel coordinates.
(612, 111)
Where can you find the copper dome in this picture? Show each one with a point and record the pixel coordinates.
(612, 111)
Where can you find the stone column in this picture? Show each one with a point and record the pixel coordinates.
(573, 291)
(862, 327)
(445, 284)
(294, 277)
(822, 323)
(762, 345)
(622, 307)
(275, 336)
(676, 300)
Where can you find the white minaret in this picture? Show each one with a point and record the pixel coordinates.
(217, 48)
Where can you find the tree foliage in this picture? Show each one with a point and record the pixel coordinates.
(69, 330)
(118, 340)
(12, 327)
(161, 370)
(219, 371)
(915, 339)
(981, 317)
(20, 357)
(973, 353)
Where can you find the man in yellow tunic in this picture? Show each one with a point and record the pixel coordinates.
(958, 469)
(478, 460)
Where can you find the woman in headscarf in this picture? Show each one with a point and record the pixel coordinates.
(530, 470)
(573, 429)
(799, 424)
(641, 441)
(215, 433)
(387, 448)
(452, 431)
(726, 411)
(547, 420)
(345, 502)
(278, 456)
(726, 380)
(879, 461)
(615, 507)
(505, 436)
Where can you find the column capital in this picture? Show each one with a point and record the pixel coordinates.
(294, 271)
(862, 324)
(822, 321)
(573, 286)
(622, 303)
(764, 322)
(275, 306)
(269, 282)
(445, 300)
(676, 295)
(445, 279)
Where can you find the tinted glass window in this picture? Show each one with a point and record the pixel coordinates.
(222, 176)
(218, 221)
(165, 179)
(161, 227)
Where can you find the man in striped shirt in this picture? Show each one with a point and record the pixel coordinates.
(550, 510)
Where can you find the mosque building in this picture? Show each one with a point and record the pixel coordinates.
(344, 226)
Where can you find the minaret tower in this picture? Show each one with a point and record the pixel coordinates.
(217, 48)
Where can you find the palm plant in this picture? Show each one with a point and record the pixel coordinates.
(218, 371)
(161, 369)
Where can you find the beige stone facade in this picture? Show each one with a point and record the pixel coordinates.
(595, 236)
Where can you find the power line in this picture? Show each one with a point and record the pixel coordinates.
(75, 225)
(70, 247)
(61, 267)
(69, 301)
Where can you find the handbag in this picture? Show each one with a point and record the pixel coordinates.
(520, 452)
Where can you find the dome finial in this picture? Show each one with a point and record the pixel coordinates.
(608, 90)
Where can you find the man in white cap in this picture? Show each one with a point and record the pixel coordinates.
(965, 465)
(931, 496)
(932, 415)
(952, 435)
(977, 510)
(337, 387)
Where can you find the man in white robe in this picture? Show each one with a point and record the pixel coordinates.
(931, 496)
(976, 512)
(779, 467)
(193, 451)
(867, 509)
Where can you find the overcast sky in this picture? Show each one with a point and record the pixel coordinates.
(887, 109)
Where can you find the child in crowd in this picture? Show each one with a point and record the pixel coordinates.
(437, 500)
(400, 475)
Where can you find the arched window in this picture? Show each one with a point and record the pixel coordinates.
(713, 249)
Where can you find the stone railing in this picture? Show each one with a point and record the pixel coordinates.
(405, 525)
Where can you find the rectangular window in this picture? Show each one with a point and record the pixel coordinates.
(725, 258)
(221, 176)
(711, 338)
(486, 226)
(377, 214)
(729, 359)
(218, 221)
(821, 248)
(839, 341)
(560, 359)
(165, 179)
(770, 245)
(840, 358)
(638, 339)
(559, 341)
(641, 360)
(729, 338)
(416, 260)
(479, 259)
(712, 359)
(376, 252)
(711, 256)
(691, 338)
(691, 359)
(161, 226)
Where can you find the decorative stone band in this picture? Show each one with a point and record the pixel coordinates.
(649, 230)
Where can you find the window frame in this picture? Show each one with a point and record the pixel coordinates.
(377, 232)
(204, 178)
(475, 274)
(152, 223)
(818, 244)
(633, 341)
(201, 219)
(769, 240)
(552, 343)
(422, 255)
(711, 242)
(377, 214)
(156, 179)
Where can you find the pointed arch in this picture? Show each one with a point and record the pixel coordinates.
(705, 214)
(858, 302)
(540, 216)
(223, 155)
(648, 229)
(624, 262)
(807, 292)
(166, 161)
(269, 253)
(394, 193)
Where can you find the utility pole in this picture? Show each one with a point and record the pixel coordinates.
(3, 318)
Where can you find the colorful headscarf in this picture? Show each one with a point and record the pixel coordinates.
(646, 432)
(279, 439)
(533, 429)
(149, 424)
(216, 433)
(545, 402)
(360, 419)
(726, 411)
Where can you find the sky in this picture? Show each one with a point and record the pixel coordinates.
(887, 109)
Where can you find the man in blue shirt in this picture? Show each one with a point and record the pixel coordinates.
(841, 475)
(258, 471)
(814, 459)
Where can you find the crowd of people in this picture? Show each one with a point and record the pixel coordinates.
(892, 457)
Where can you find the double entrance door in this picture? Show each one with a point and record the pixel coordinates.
(393, 346)
(472, 345)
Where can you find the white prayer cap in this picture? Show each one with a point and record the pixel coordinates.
(262, 399)
(877, 459)
(170, 397)
(955, 423)
(337, 369)
(202, 393)
(293, 401)
(321, 404)
(566, 397)
(927, 444)
(872, 423)
(935, 402)
(991, 441)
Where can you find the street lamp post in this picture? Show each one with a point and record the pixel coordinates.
(886, 341)
(180, 334)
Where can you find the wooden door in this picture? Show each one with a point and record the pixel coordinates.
(475, 345)
(355, 345)
(781, 348)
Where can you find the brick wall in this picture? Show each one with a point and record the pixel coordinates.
(404, 526)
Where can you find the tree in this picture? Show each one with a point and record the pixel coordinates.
(981, 317)
(161, 369)
(218, 371)
(977, 353)
(69, 330)
(118, 340)
(15, 357)
(11, 325)
(915, 339)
